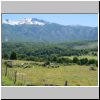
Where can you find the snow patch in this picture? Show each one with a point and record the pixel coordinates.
(23, 21)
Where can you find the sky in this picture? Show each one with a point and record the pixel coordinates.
(63, 19)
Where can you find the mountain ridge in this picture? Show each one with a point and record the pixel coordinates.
(25, 21)
(46, 32)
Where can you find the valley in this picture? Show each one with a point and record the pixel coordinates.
(36, 52)
(46, 64)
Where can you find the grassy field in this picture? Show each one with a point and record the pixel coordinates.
(85, 56)
(75, 75)
(87, 45)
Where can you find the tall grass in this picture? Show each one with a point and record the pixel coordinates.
(75, 75)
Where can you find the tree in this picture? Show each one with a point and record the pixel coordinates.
(68, 60)
(96, 63)
(60, 60)
(83, 61)
(13, 56)
(75, 60)
(54, 58)
(92, 61)
(5, 56)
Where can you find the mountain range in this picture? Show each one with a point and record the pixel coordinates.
(36, 30)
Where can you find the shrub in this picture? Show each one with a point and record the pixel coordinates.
(96, 63)
(13, 56)
(75, 60)
(83, 61)
(5, 56)
(92, 61)
(60, 60)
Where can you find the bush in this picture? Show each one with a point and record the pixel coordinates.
(96, 63)
(68, 61)
(84, 61)
(13, 56)
(5, 56)
(92, 61)
(5, 62)
(54, 58)
(60, 60)
(75, 60)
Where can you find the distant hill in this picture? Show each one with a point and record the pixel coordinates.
(35, 30)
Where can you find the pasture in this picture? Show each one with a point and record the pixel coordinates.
(37, 75)
(84, 56)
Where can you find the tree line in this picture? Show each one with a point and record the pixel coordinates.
(48, 52)
(61, 60)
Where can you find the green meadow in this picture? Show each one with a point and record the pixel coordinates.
(75, 75)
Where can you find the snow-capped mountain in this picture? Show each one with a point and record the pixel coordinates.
(36, 30)
(33, 21)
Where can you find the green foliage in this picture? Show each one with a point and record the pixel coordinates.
(13, 56)
(75, 60)
(84, 61)
(96, 63)
(43, 52)
(5, 56)
(6, 81)
(92, 61)
(54, 58)
(68, 61)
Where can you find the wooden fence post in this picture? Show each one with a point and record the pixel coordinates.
(22, 83)
(6, 71)
(66, 83)
(15, 77)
